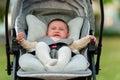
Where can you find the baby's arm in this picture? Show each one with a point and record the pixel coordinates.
(81, 43)
(24, 43)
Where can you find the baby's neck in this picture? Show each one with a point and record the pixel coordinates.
(55, 39)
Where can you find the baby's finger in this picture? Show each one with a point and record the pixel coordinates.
(21, 35)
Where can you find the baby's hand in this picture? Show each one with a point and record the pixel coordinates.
(90, 37)
(20, 37)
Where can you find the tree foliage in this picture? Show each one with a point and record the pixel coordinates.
(2, 12)
(108, 1)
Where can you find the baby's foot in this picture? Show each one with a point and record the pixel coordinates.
(49, 68)
(51, 65)
(53, 68)
(52, 62)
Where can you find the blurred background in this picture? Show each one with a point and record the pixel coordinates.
(110, 57)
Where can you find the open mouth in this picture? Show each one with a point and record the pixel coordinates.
(56, 35)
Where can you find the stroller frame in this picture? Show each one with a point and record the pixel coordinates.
(13, 49)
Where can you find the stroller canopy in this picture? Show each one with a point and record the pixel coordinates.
(72, 8)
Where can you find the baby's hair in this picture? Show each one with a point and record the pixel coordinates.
(59, 20)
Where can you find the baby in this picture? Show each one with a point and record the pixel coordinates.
(57, 35)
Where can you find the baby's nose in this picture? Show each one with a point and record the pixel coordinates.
(57, 31)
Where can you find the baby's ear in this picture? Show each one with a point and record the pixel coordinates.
(46, 33)
(68, 35)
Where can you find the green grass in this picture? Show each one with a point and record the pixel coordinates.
(110, 60)
(3, 61)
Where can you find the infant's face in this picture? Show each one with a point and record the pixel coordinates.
(58, 29)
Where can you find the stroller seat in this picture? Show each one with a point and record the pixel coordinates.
(55, 75)
(38, 31)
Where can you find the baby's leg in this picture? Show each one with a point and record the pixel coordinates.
(78, 62)
(64, 56)
(29, 62)
(43, 53)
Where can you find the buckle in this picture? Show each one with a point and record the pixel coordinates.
(54, 46)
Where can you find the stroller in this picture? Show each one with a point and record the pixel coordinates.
(46, 10)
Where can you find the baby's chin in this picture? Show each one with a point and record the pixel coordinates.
(56, 38)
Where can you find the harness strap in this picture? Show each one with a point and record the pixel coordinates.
(55, 47)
